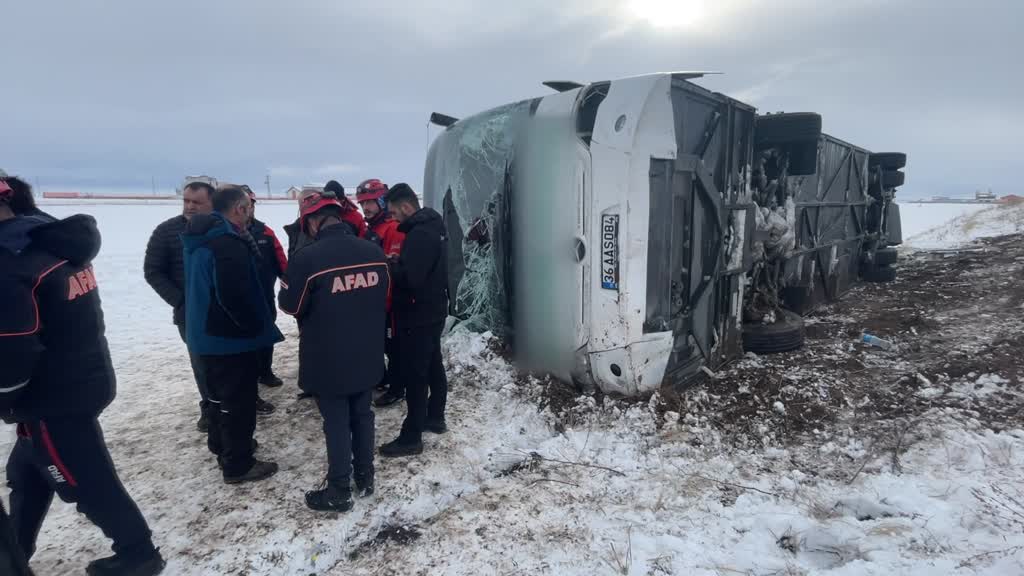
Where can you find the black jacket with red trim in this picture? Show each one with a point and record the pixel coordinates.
(54, 359)
(337, 287)
(273, 262)
(420, 273)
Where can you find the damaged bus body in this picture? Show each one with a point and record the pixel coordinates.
(631, 233)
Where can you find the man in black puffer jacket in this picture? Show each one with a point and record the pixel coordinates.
(420, 302)
(56, 379)
(164, 268)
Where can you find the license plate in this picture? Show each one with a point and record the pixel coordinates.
(610, 251)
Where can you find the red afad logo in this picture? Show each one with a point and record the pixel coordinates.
(81, 283)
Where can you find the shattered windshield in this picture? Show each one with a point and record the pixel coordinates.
(468, 177)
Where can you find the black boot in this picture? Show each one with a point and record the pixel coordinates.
(387, 399)
(330, 498)
(270, 380)
(263, 407)
(203, 425)
(364, 485)
(116, 565)
(259, 471)
(400, 447)
(436, 426)
(220, 459)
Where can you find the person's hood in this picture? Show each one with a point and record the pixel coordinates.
(75, 239)
(202, 228)
(427, 217)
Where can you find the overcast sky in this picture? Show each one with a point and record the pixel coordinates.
(114, 93)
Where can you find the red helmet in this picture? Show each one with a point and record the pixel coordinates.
(372, 189)
(314, 203)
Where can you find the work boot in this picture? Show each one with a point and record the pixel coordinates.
(399, 447)
(387, 399)
(436, 426)
(203, 425)
(263, 407)
(303, 396)
(220, 459)
(364, 485)
(118, 565)
(330, 498)
(270, 380)
(259, 471)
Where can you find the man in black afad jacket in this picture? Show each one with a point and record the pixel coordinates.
(164, 268)
(337, 287)
(420, 301)
(56, 380)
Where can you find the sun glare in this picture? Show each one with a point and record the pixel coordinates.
(668, 13)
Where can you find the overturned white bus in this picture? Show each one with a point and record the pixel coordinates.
(629, 233)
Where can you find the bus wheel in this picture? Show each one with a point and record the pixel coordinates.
(784, 335)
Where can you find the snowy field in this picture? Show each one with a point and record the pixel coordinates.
(521, 487)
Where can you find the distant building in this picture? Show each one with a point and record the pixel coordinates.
(293, 192)
(979, 195)
(1012, 199)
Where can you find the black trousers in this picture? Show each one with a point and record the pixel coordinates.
(198, 372)
(233, 387)
(348, 429)
(12, 560)
(392, 378)
(426, 385)
(69, 457)
(267, 361)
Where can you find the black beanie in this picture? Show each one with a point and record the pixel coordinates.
(335, 187)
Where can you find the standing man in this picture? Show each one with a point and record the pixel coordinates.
(273, 264)
(334, 284)
(56, 379)
(420, 275)
(228, 325)
(164, 269)
(383, 230)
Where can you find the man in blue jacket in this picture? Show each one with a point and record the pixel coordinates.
(228, 324)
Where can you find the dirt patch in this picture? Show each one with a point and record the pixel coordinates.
(400, 535)
(956, 322)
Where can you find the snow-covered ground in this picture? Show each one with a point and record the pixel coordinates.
(972, 221)
(523, 486)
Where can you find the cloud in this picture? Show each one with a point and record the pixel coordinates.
(109, 96)
(329, 169)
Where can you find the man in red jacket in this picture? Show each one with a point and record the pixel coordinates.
(382, 229)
